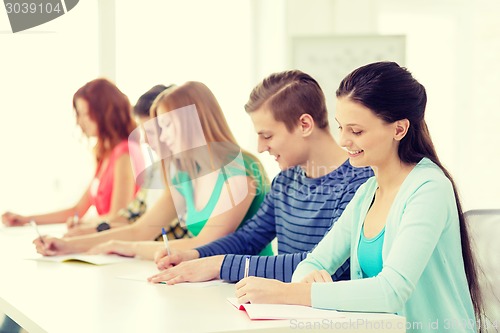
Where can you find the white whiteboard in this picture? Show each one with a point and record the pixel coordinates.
(329, 59)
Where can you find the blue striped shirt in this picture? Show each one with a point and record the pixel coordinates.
(298, 211)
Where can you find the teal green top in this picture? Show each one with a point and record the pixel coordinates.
(196, 219)
(370, 253)
(422, 277)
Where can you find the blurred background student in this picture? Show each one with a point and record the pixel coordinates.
(102, 112)
(151, 181)
(209, 180)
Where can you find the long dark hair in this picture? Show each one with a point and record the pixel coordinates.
(392, 93)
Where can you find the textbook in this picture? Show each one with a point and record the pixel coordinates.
(94, 259)
(283, 311)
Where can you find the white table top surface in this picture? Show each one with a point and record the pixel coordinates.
(77, 297)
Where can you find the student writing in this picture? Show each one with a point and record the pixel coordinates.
(419, 262)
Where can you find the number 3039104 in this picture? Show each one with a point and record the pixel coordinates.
(32, 8)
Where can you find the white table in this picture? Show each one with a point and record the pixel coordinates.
(76, 297)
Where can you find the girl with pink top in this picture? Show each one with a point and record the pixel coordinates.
(104, 112)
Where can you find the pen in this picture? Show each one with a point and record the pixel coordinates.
(33, 224)
(247, 266)
(165, 239)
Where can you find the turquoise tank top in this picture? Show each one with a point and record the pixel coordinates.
(196, 219)
(370, 253)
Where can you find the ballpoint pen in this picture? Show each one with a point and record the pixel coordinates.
(165, 239)
(247, 266)
(33, 224)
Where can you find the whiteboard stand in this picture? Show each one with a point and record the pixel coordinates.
(329, 59)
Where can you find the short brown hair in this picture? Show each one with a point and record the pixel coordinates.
(288, 95)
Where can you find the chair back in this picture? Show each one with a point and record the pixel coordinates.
(484, 231)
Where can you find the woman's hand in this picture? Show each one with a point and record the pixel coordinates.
(10, 219)
(52, 246)
(122, 248)
(80, 229)
(164, 261)
(260, 290)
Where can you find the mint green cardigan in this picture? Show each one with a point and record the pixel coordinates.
(423, 275)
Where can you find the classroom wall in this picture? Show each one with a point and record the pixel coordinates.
(45, 162)
(453, 48)
(48, 164)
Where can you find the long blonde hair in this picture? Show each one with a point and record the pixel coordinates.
(217, 134)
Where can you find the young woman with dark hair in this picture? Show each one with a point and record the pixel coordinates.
(404, 229)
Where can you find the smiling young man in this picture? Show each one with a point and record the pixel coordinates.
(307, 197)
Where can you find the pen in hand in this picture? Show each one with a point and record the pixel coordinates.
(165, 240)
(33, 224)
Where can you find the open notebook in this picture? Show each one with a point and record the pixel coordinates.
(97, 259)
(283, 311)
